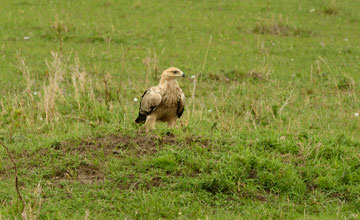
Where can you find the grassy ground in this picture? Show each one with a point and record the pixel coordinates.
(270, 129)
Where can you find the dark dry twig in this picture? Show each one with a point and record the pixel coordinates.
(16, 174)
(117, 96)
(106, 90)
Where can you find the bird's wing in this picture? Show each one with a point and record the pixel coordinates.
(150, 100)
(181, 104)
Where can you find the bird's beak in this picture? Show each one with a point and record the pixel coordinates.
(183, 74)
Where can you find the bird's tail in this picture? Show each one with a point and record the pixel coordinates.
(141, 118)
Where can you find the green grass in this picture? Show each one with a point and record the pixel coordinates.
(272, 131)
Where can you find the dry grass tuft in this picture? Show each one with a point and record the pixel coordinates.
(59, 26)
(79, 80)
(53, 91)
(61, 74)
(24, 69)
(151, 64)
(32, 209)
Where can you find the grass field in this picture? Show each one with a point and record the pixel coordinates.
(271, 128)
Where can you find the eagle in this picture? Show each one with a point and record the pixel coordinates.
(164, 102)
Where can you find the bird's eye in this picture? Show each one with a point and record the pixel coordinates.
(175, 71)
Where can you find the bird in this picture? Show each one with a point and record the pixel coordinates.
(164, 102)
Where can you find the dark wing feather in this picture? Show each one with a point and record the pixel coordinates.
(149, 102)
(181, 105)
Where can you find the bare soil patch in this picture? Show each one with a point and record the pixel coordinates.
(139, 145)
(84, 173)
(109, 145)
(113, 144)
(143, 184)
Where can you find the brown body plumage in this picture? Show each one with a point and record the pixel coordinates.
(164, 102)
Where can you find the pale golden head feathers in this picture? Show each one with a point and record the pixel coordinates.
(172, 73)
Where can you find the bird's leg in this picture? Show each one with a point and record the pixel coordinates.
(150, 123)
(172, 123)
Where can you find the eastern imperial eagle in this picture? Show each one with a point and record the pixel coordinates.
(164, 102)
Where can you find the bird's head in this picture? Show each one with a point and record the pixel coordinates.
(172, 73)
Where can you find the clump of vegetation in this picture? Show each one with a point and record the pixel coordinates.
(346, 82)
(253, 75)
(331, 9)
(279, 27)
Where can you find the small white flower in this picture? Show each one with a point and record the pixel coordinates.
(356, 114)
(346, 39)
(41, 118)
(312, 10)
(135, 99)
(35, 93)
(273, 44)
(210, 110)
(26, 38)
(193, 77)
(179, 213)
